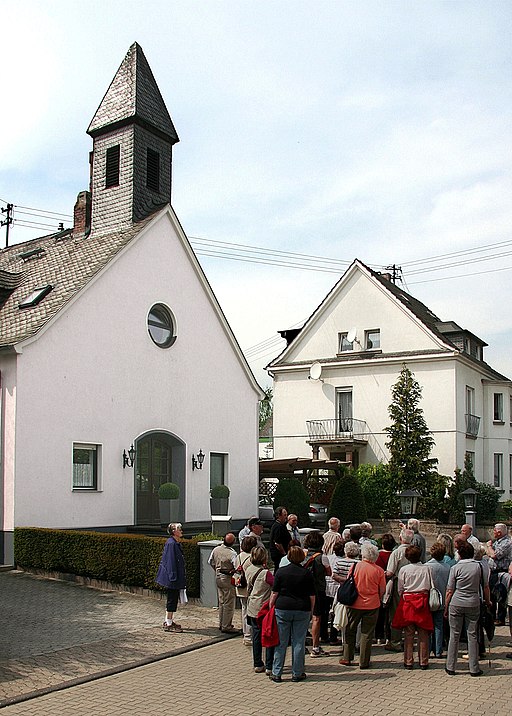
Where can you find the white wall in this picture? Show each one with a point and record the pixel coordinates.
(371, 387)
(7, 439)
(96, 376)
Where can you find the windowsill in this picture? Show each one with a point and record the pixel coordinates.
(86, 489)
(498, 422)
(362, 353)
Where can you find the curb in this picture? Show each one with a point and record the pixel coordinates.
(111, 672)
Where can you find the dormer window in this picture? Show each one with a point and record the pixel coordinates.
(372, 339)
(153, 170)
(112, 166)
(35, 297)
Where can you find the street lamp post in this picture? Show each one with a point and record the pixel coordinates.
(408, 503)
(470, 496)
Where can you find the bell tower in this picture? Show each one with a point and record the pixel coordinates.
(133, 136)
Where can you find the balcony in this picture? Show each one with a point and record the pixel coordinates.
(472, 425)
(337, 430)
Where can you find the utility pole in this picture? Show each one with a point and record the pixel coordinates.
(396, 272)
(7, 221)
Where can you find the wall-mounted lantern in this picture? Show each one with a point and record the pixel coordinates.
(129, 459)
(197, 463)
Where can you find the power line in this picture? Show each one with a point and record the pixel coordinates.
(44, 211)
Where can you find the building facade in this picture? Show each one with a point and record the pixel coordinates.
(333, 381)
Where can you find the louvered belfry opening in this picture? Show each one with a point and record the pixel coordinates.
(153, 170)
(112, 166)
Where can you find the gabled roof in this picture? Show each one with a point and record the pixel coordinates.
(68, 265)
(133, 97)
(420, 311)
(63, 262)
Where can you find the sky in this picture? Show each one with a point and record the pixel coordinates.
(377, 130)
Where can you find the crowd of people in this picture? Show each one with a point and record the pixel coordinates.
(405, 593)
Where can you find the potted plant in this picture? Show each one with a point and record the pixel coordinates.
(219, 500)
(168, 501)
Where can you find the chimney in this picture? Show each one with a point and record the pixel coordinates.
(82, 215)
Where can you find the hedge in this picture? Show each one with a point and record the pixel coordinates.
(119, 558)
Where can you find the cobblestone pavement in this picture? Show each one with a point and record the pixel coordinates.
(53, 632)
(218, 678)
(208, 680)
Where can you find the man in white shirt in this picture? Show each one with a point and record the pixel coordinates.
(332, 536)
(467, 531)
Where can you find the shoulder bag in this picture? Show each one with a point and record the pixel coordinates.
(435, 598)
(347, 592)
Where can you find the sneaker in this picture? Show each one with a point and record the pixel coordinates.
(259, 669)
(318, 652)
(174, 627)
(247, 641)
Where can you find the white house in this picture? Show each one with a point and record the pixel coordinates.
(111, 337)
(332, 383)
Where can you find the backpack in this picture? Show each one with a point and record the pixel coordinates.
(316, 568)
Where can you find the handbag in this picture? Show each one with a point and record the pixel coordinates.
(347, 592)
(435, 598)
(386, 598)
(486, 617)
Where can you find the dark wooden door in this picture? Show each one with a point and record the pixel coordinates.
(153, 467)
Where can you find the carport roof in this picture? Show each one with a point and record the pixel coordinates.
(294, 464)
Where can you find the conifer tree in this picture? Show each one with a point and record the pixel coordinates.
(410, 441)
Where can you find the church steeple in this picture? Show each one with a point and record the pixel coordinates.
(133, 137)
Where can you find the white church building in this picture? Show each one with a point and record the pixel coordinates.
(117, 365)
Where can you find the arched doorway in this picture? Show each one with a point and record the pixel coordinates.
(160, 458)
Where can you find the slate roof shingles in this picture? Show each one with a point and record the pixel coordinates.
(68, 264)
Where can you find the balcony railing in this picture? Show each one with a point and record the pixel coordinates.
(337, 429)
(472, 425)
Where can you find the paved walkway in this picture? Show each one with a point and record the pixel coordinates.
(209, 680)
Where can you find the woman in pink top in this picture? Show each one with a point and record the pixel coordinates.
(371, 585)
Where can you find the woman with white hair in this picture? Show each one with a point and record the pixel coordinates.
(171, 575)
(371, 585)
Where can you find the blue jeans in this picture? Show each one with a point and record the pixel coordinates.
(436, 640)
(291, 623)
(257, 649)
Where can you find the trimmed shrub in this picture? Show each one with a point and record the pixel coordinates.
(119, 558)
(219, 492)
(168, 491)
(347, 502)
(292, 494)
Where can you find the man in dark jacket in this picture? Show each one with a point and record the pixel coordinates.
(279, 537)
(171, 575)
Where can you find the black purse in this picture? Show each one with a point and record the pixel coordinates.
(347, 592)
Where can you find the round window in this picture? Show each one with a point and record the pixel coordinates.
(161, 326)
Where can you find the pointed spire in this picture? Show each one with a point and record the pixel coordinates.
(133, 97)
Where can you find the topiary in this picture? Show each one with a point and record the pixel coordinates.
(219, 492)
(168, 491)
(347, 502)
(292, 494)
